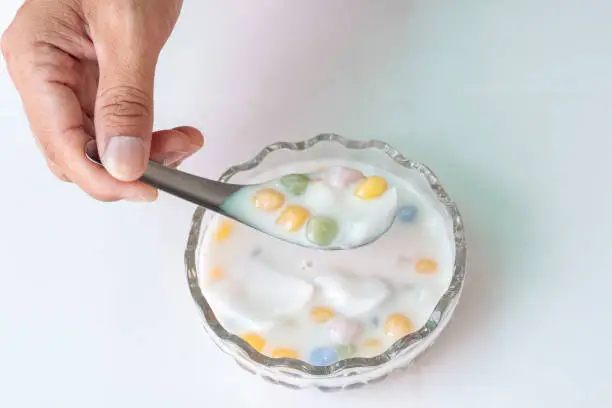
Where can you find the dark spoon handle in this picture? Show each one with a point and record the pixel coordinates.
(204, 192)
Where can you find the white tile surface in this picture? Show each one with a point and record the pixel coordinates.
(503, 99)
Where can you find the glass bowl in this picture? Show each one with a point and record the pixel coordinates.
(351, 372)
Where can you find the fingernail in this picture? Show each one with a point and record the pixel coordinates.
(195, 147)
(148, 196)
(173, 158)
(125, 157)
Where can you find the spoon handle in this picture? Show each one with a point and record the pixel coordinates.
(201, 191)
(204, 192)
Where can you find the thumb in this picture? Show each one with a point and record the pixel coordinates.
(124, 108)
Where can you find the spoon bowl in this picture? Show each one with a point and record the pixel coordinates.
(222, 197)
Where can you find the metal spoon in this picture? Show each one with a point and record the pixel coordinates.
(210, 194)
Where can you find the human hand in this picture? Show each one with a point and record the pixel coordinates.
(85, 70)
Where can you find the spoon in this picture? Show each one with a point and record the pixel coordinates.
(222, 197)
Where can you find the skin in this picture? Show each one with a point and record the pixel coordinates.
(85, 70)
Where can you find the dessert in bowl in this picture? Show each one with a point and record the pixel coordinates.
(307, 317)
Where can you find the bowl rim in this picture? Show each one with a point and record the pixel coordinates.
(441, 311)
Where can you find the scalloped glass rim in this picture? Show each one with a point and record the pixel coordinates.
(399, 346)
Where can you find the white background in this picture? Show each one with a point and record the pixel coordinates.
(510, 102)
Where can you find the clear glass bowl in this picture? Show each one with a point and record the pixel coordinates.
(352, 372)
